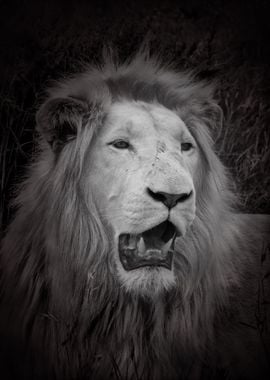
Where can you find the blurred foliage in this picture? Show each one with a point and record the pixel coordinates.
(222, 41)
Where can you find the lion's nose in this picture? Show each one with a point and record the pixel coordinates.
(170, 200)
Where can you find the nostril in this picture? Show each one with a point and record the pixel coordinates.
(159, 196)
(170, 200)
(184, 196)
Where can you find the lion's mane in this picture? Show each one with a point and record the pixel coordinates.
(58, 286)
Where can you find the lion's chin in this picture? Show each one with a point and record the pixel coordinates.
(147, 281)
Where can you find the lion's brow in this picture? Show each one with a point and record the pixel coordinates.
(130, 128)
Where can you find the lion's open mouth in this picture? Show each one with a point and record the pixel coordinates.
(150, 248)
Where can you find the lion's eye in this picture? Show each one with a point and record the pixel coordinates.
(120, 144)
(186, 146)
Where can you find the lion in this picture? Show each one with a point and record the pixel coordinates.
(127, 257)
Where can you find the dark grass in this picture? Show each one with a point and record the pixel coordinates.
(222, 41)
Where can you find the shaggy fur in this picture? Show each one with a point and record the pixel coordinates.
(65, 315)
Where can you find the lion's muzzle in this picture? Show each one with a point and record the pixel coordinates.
(150, 248)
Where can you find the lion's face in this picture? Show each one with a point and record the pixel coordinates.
(141, 169)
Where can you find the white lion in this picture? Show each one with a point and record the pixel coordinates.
(127, 257)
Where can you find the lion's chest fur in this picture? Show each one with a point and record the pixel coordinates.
(135, 338)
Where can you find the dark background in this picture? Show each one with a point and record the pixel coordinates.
(226, 41)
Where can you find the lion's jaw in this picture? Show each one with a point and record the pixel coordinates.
(143, 156)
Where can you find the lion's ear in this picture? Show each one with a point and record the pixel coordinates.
(213, 117)
(59, 119)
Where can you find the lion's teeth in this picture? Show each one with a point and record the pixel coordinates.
(173, 240)
(132, 241)
(141, 245)
(167, 246)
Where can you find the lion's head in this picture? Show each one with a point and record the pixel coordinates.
(147, 158)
